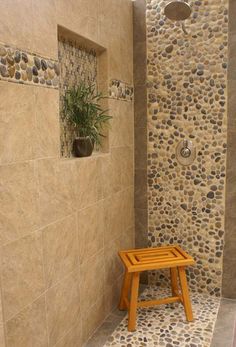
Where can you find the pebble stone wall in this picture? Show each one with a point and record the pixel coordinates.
(186, 82)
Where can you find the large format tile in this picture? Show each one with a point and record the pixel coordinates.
(113, 265)
(88, 182)
(111, 173)
(121, 133)
(107, 9)
(47, 133)
(60, 248)
(19, 201)
(92, 276)
(62, 303)
(114, 223)
(57, 189)
(93, 318)
(86, 24)
(17, 119)
(1, 311)
(111, 38)
(22, 273)
(90, 231)
(2, 338)
(127, 166)
(127, 238)
(126, 40)
(122, 130)
(100, 336)
(28, 328)
(112, 294)
(127, 211)
(117, 170)
(44, 28)
(72, 338)
(17, 32)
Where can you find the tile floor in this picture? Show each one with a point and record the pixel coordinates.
(224, 331)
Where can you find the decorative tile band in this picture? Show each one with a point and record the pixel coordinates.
(120, 90)
(27, 68)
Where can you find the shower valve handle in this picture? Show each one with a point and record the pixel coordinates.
(185, 151)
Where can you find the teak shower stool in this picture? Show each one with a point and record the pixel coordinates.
(139, 260)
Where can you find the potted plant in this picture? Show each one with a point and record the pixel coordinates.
(83, 110)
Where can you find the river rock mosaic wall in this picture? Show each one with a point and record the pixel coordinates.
(76, 65)
(186, 82)
(27, 68)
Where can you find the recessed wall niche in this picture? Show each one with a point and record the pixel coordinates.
(80, 60)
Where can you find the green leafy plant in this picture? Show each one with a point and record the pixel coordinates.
(83, 110)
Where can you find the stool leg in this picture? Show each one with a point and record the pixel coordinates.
(125, 290)
(174, 281)
(185, 294)
(133, 302)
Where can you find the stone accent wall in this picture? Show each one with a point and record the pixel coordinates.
(76, 65)
(187, 99)
(19, 66)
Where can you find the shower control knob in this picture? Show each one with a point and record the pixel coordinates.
(185, 152)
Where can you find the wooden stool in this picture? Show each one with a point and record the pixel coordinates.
(138, 260)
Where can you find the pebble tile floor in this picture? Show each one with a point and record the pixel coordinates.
(165, 326)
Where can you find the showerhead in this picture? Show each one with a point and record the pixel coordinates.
(177, 10)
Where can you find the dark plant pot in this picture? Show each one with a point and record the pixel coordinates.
(83, 147)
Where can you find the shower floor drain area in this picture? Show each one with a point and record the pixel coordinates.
(166, 326)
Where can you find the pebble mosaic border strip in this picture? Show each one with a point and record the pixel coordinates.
(166, 325)
(23, 67)
(120, 90)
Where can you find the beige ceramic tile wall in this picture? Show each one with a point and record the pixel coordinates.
(62, 221)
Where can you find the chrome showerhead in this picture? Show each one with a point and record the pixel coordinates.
(177, 10)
